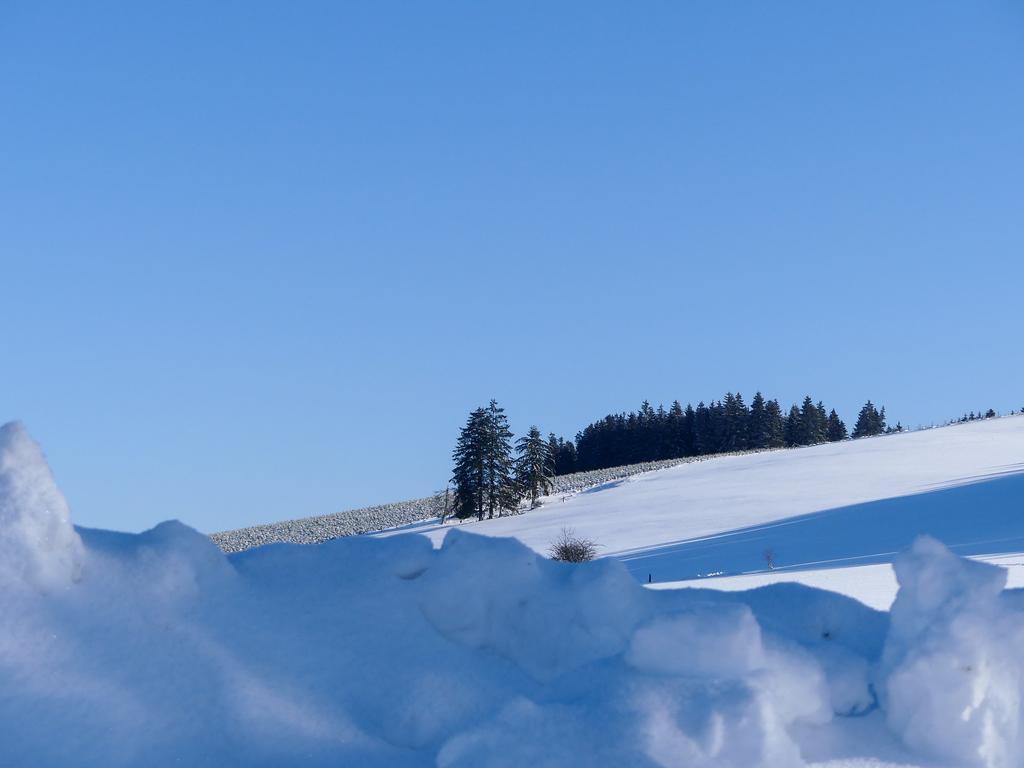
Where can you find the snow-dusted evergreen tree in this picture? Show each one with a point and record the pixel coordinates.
(836, 428)
(484, 473)
(792, 431)
(535, 465)
(776, 424)
(470, 473)
(757, 423)
(564, 453)
(553, 448)
(813, 423)
(734, 423)
(703, 434)
(501, 491)
(870, 421)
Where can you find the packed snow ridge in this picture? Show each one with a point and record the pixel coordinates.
(158, 649)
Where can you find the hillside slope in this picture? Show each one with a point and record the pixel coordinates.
(835, 505)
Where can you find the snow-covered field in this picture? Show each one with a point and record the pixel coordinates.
(814, 513)
(159, 650)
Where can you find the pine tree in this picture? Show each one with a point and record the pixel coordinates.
(836, 428)
(501, 492)
(757, 423)
(689, 431)
(565, 461)
(793, 429)
(703, 436)
(484, 476)
(675, 437)
(553, 448)
(812, 424)
(734, 423)
(470, 473)
(535, 465)
(869, 421)
(822, 421)
(776, 424)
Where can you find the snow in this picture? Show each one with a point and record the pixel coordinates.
(157, 649)
(39, 545)
(820, 511)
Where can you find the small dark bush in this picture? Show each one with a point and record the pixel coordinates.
(570, 548)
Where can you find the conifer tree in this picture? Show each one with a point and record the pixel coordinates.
(470, 473)
(869, 421)
(812, 425)
(483, 475)
(501, 489)
(553, 447)
(535, 465)
(822, 421)
(734, 423)
(689, 439)
(675, 437)
(776, 424)
(565, 460)
(793, 430)
(836, 428)
(757, 423)
(703, 437)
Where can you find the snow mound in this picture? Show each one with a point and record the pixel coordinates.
(38, 544)
(952, 661)
(482, 654)
(500, 596)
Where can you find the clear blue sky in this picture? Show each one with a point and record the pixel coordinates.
(260, 260)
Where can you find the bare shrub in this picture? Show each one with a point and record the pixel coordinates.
(570, 548)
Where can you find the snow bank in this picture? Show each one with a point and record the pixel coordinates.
(952, 662)
(38, 544)
(388, 652)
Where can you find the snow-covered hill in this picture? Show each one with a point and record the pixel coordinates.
(157, 649)
(812, 513)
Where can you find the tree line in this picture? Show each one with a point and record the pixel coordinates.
(653, 434)
(491, 476)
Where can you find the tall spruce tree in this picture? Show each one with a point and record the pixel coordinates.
(689, 438)
(757, 423)
(703, 434)
(836, 428)
(793, 428)
(501, 490)
(535, 465)
(869, 421)
(776, 424)
(812, 424)
(734, 423)
(469, 475)
(565, 460)
(484, 471)
(675, 438)
(822, 421)
(553, 448)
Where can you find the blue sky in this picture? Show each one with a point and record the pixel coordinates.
(259, 260)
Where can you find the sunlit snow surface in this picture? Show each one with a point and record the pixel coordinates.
(817, 512)
(157, 650)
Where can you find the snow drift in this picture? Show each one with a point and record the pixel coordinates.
(157, 650)
(38, 544)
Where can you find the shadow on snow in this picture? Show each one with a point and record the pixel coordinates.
(980, 515)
